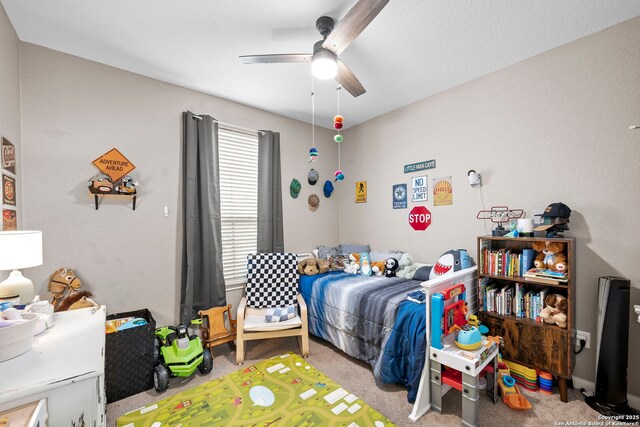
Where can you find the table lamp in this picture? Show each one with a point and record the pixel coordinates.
(18, 250)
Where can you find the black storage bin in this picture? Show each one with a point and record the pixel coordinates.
(129, 357)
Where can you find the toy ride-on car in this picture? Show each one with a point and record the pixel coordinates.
(178, 354)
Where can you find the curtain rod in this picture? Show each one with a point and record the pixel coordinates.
(252, 131)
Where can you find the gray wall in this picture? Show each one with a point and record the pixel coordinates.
(75, 110)
(551, 128)
(10, 103)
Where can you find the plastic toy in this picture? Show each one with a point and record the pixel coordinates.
(511, 395)
(179, 354)
(338, 138)
(445, 320)
(127, 185)
(468, 337)
(526, 377)
(138, 321)
(100, 183)
(339, 176)
(313, 154)
(338, 119)
(337, 125)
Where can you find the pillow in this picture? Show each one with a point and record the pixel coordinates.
(450, 262)
(280, 314)
(377, 256)
(422, 273)
(326, 252)
(338, 263)
(347, 249)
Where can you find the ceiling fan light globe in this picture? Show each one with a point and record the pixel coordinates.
(324, 68)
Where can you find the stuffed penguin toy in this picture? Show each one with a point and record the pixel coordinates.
(390, 267)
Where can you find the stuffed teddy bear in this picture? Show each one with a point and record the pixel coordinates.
(555, 310)
(406, 267)
(313, 266)
(550, 256)
(390, 267)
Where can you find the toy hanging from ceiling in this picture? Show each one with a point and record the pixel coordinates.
(337, 125)
(313, 151)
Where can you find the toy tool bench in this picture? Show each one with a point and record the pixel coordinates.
(462, 351)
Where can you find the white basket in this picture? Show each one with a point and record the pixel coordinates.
(16, 340)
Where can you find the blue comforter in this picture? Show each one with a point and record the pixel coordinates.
(370, 319)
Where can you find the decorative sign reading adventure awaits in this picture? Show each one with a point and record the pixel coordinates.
(114, 164)
(415, 167)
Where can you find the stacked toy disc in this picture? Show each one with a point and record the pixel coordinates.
(313, 154)
(337, 122)
(545, 379)
(524, 376)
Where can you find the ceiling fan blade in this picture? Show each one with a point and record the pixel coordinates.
(348, 80)
(275, 58)
(356, 20)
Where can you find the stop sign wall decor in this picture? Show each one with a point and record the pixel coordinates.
(420, 218)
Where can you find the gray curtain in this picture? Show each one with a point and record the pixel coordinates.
(270, 231)
(202, 279)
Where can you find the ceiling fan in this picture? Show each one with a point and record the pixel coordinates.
(324, 59)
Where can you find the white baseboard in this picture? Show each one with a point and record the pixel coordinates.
(578, 383)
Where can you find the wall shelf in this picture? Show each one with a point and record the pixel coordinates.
(97, 196)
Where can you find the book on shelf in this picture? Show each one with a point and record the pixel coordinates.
(513, 300)
(546, 274)
(540, 279)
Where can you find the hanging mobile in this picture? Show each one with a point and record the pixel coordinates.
(313, 151)
(337, 125)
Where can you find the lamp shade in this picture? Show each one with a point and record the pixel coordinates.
(20, 249)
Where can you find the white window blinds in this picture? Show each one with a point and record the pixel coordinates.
(238, 157)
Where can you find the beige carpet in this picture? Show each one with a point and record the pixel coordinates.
(391, 400)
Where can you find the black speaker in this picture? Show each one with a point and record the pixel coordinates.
(610, 397)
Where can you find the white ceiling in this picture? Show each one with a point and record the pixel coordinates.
(413, 49)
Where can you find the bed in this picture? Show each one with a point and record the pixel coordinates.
(369, 318)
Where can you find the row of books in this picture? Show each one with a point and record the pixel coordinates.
(505, 262)
(513, 300)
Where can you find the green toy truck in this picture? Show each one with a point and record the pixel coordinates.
(178, 354)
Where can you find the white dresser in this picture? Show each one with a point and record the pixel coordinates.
(65, 367)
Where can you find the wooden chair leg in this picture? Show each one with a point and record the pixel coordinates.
(303, 342)
(240, 351)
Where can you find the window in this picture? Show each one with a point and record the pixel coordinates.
(238, 158)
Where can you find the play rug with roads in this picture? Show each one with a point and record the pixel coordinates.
(281, 391)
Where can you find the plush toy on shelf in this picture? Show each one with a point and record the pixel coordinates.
(550, 256)
(555, 310)
(313, 266)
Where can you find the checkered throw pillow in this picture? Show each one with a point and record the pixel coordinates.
(280, 314)
(272, 280)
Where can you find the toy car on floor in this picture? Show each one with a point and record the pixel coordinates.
(178, 354)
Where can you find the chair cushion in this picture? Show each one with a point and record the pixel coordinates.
(280, 314)
(272, 279)
(258, 323)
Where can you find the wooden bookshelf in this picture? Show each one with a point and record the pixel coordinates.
(527, 341)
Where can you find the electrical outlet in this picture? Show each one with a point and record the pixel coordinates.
(582, 335)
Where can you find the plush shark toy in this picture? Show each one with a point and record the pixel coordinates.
(450, 262)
